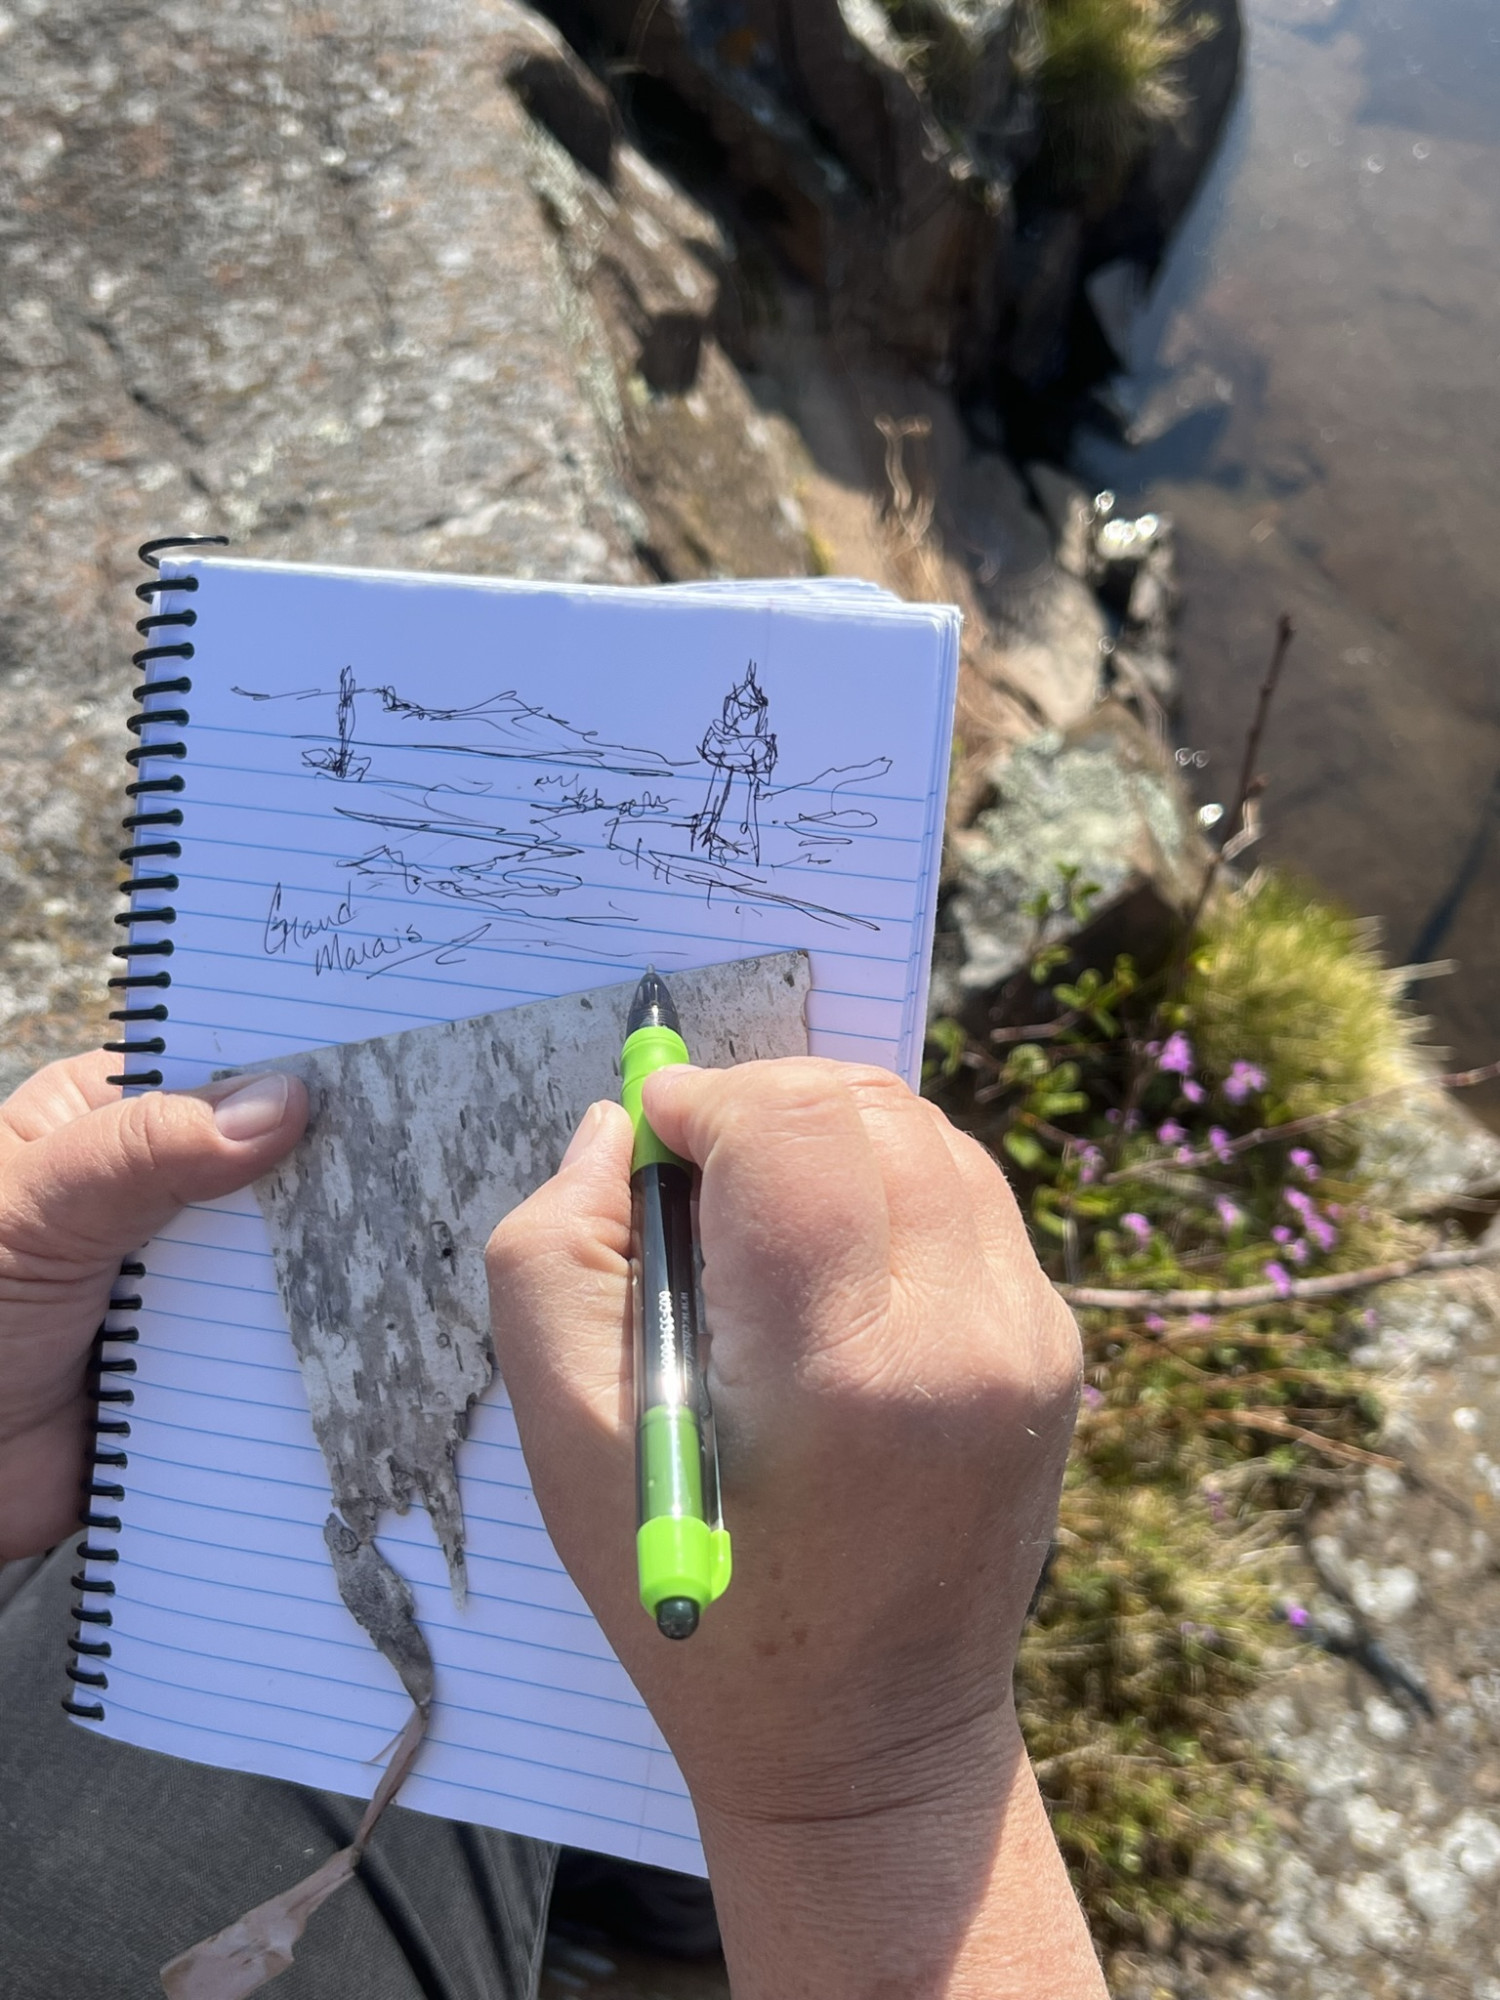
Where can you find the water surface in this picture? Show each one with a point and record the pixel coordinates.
(1317, 385)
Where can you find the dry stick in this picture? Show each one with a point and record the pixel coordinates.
(1236, 825)
(1236, 1298)
(1264, 1135)
(1276, 1425)
(1038, 1031)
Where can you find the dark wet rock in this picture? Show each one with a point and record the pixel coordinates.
(1141, 224)
(880, 147)
(819, 115)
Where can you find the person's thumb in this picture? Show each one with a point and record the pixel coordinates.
(90, 1191)
(559, 1282)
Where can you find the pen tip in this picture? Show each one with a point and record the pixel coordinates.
(677, 1618)
(652, 1006)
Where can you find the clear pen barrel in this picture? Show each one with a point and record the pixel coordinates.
(668, 1374)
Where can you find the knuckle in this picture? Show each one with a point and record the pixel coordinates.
(1062, 1349)
(142, 1135)
(868, 1080)
(800, 1085)
(513, 1241)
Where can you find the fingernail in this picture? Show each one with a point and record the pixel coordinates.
(584, 1137)
(255, 1109)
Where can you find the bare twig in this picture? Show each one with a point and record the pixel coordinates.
(1276, 1425)
(1039, 1031)
(1237, 824)
(1237, 1298)
(1264, 1135)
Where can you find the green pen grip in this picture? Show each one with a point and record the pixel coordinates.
(648, 1049)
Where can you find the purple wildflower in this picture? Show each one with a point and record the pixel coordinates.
(1229, 1214)
(1132, 1121)
(1322, 1232)
(1183, 1156)
(1280, 1278)
(1155, 1323)
(1243, 1077)
(1281, 1234)
(1138, 1226)
(1193, 1092)
(1090, 1160)
(1176, 1058)
(1170, 1133)
(1296, 1614)
(1298, 1251)
(1369, 1319)
(1305, 1163)
(1295, 1199)
(1092, 1397)
(1201, 1322)
(1218, 1139)
(1112, 1116)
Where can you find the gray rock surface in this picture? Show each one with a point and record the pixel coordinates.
(319, 280)
(1102, 797)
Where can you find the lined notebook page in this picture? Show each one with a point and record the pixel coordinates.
(410, 800)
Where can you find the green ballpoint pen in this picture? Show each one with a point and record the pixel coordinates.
(682, 1547)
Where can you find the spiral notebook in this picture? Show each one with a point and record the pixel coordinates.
(365, 802)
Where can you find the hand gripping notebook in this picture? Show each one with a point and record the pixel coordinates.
(366, 804)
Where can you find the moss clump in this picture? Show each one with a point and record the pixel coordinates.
(1283, 980)
(1152, 1624)
(1106, 72)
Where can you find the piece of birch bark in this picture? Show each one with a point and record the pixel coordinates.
(417, 1143)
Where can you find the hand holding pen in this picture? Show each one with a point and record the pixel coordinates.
(894, 1383)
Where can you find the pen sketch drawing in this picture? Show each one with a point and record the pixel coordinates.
(529, 827)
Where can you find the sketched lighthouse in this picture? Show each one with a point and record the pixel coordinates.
(742, 752)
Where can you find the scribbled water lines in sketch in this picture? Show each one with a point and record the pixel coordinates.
(710, 821)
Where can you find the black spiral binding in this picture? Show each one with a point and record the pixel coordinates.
(151, 843)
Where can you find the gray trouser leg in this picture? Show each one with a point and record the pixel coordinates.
(113, 1859)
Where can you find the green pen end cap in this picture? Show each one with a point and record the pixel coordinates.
(679, 1557)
